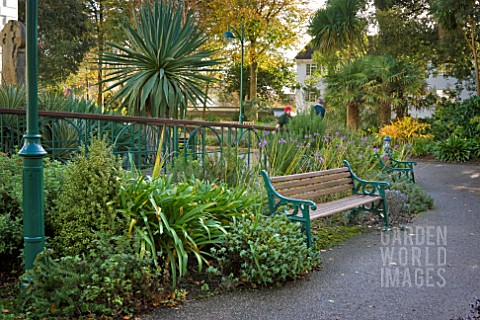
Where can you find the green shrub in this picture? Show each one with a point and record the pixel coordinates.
(88, 200)
(474, 145)
(11, 204)
(418, 199)
(461, 119)
(453, 149)
(262, 250)
(306, 123)
(110, 281)
(11, 226)
(54, 178)
(184, 167)
(11, 241)
(11, 169)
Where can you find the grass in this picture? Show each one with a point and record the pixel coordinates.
(331, 236)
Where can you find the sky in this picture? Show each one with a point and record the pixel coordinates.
(304, 38)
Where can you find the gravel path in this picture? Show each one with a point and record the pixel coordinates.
(430, 272)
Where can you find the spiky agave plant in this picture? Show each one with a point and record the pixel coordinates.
(157, 63)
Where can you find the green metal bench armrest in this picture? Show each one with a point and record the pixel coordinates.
(365, 187)
(402, 164)
(272, 194)
(396, 164)
(402, 168)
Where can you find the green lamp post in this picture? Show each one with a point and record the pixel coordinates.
(229, 36)
(32, 151)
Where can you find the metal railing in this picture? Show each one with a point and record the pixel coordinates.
(135, 139)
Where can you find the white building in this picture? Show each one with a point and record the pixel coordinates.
(8, 11)
(310, 88)
(305, 98)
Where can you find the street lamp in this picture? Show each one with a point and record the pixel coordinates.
(32, 151)
(227, 37)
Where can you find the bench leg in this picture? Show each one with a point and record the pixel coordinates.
(385, 216)
(308, 232)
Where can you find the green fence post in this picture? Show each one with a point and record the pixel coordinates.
(32, 151)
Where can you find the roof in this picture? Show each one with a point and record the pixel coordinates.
(306, 53)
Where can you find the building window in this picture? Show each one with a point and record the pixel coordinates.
(312, 96)
(311, 67)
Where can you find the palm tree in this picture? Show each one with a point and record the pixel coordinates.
(396, 80)
(157, 64)
(338, 28)
(351, 86)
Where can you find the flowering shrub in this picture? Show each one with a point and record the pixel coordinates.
(409, 131)
(406, 130)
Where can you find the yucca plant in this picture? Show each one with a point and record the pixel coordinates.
(157, 63)
(12, 126)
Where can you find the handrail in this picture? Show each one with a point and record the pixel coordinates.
(109, 117)
(64, 132)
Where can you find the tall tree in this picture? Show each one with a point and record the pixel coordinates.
(405, 33)
(63, 38)
(269, 26)
(461, 17)
(157, 64)
(339, 28)
(271, 80)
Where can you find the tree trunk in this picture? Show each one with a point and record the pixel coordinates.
(475, 57)
(204, 111)
(385, 114)
(253, 80)
(353, 117)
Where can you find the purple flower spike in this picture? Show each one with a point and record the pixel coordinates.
(375, 149)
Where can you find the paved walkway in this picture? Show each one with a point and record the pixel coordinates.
(431, 272)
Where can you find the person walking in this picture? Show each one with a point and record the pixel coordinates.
(319, 108)
(283, 120)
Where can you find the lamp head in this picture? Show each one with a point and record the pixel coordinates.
(228, 36)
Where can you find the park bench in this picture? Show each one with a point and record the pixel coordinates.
(297, 195)
(395, 168)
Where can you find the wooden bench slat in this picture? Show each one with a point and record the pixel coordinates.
(315, 187)
(344, 204)
(316, 180)
(308, 175)
(319, 193)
